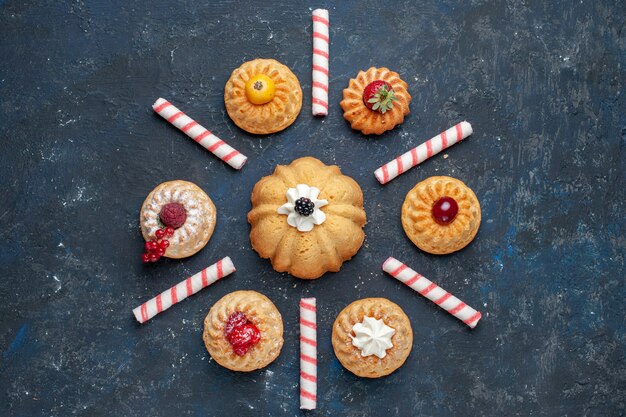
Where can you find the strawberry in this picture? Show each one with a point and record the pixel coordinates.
(379, 96)
(241, 333)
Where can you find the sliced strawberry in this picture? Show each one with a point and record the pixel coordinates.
(235, 320)
(241, 333)
(242, 338)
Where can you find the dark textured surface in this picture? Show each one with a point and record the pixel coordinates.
(541, 83)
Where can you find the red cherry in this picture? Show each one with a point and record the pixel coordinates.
(164, 244)
(445, 210)
(160, 233)
(169, 231)
(242, 338)
(145, 258)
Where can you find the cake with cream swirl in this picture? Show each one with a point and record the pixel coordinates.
(372, 337)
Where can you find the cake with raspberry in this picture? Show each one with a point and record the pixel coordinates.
(177, 220)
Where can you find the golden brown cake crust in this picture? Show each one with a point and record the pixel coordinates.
(307, 255)
(372, 121)
(201, 216)
(421, 227)
(270, 117)
(372, 366)
(262, 313)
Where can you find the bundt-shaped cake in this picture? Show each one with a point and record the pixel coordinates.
(186, 208)
(307, 218)
(441, 215)
(375, 101)
(263, 96)
(372, 337)
(243, 331)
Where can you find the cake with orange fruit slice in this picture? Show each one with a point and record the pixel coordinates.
(263, 96)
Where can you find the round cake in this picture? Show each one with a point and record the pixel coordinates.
(263, 96)
(183, 207)
(307, 218)
(243, 331)
(375, 101)
(372, 337)
(441, 215)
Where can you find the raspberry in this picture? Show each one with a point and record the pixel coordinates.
(173, 215)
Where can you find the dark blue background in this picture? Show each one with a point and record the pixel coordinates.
(540, 81)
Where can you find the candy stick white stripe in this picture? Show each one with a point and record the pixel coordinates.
(184, 289)
(431, 291)
(308, 353)
(320, 68)
(420, 153)
(199, 134)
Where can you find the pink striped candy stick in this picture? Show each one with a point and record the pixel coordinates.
(308, 354)
(184, 289)
(195, 131)
(422, 152)
(321, 41)
(432, 291)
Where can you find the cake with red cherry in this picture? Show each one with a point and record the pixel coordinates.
(441, 215)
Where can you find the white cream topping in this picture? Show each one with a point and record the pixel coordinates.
(295, 219)
(372, 336)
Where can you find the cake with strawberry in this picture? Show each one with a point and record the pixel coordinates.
(243, 331)
(375, 101)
